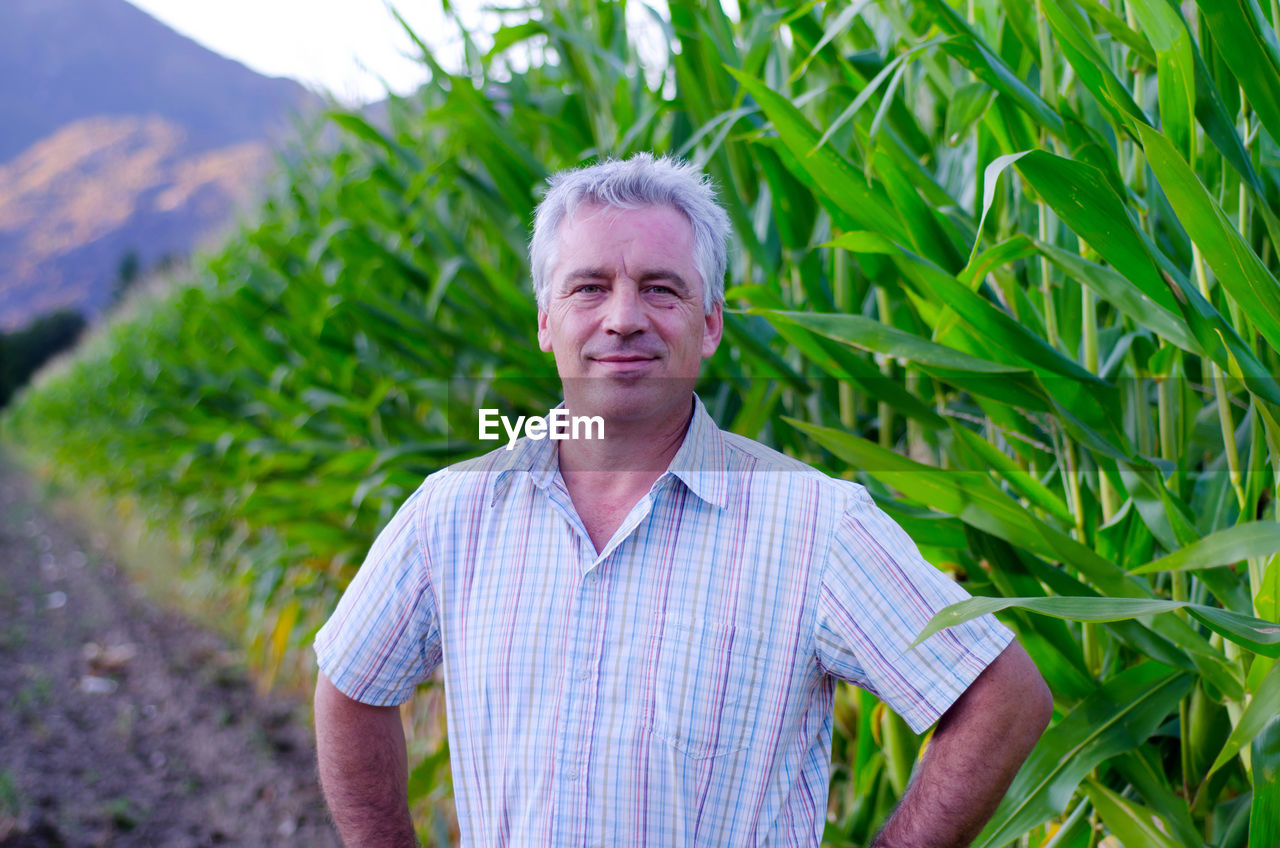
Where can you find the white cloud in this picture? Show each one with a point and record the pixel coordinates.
(343, 46)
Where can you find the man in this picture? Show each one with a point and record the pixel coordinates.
(641, 633)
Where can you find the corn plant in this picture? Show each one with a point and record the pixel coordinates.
(1010, 265)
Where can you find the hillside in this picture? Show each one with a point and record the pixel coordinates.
(65, 60)
(75, 203)
(121, 136)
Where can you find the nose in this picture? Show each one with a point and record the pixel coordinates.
(624, 311)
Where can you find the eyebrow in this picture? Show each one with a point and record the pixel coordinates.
(668, 275)
(587, 274)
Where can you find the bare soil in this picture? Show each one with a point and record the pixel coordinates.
(122, 724)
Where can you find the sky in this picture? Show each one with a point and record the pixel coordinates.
(346, 47)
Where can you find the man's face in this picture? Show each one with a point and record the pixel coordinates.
(624, 313)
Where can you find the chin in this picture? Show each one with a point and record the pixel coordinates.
(624, 399)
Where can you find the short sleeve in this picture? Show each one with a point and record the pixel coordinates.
(877, 593)
(384, 637)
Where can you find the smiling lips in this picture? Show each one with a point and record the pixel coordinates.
(624, 361)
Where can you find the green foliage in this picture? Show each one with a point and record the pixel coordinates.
(22, 352)
(1013, 266)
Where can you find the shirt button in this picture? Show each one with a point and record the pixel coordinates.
(573, 774)
(584, 673)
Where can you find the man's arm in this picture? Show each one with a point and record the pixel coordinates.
(977, 748)
(364, 770)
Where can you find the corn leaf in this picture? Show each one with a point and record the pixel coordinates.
(1225, 547)
(1256, 634)
(1130, 823)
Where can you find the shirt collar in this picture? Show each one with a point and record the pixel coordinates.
(700, 463)
(536, 457)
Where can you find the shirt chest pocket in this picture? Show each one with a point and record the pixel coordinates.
(706, 686)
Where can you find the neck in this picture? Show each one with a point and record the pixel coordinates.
(632, 448)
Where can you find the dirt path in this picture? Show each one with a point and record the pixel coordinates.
(123, 725)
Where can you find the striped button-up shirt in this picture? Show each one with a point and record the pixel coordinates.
(672, 689)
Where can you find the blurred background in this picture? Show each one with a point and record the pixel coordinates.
(134, 132)
(1012, 266)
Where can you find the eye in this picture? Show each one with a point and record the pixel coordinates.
(588, 288)
(659, 288)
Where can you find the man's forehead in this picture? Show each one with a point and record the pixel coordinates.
(594, 257)
(591, 211)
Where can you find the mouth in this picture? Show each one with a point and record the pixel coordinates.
(623, 362)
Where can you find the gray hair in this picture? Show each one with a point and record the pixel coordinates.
(631, 184)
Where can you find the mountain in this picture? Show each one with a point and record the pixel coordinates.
(63, 60)
(119, 136)
(73, 205)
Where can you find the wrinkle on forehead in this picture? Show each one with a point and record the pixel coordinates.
(588, 210)
(608, 215)
(667, 243)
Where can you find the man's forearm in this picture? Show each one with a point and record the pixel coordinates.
(976, 750)
(363, 770)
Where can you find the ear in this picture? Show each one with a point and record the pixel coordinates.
(544, 332)
(712, 329)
